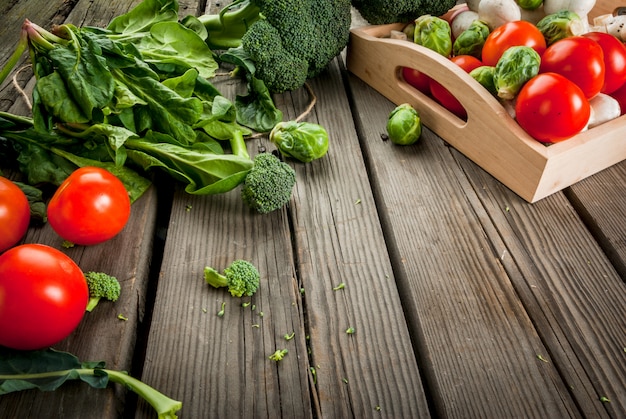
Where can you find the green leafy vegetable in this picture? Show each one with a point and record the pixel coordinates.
(48, 369)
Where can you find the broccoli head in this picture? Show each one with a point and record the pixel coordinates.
(288, 40)
(101, 285)
(269, 184)
(378, 12)
(241, 278)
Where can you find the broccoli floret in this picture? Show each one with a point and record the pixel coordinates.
(378, 12)
(288, 40)
(241, 278)
(101, 285)
(269, 183)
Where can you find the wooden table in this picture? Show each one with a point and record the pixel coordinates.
(465, 300)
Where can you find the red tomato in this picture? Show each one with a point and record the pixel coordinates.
(14, 214)
(44, 296)
(552, 108)
(417, 79)
(614, 60)
(519, 32)
(443, 96)
(90, 207)
(579, 59)
(620, 96)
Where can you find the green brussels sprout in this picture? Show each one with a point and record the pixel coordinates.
(471, 40)
(516, 66)
(484, 75)
(303, 141)
(559, 25)
(404, 125)
(433, 33)
(529, 4)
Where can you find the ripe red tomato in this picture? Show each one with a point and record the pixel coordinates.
(43, 296)
(614, 60)
(90, 207)
(447, 99)
(14, 214)
(417, 79)
(551, 108)
(579, 59)
(519, 32)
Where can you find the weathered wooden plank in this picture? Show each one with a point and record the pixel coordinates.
(566, 282)
(599, 200)
(101, 335)
(338, 238)
(219, 366)
(471, 330)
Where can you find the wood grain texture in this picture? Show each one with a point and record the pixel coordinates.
(338, 238)
(472, 331)
(100, 335)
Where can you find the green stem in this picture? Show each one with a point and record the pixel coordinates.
(22, 46)
(238, 145)
(164, 406)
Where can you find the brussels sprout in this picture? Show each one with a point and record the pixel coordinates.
(404, 125)
(304, 141)
(516, 66)
(559, 25)
(471, 40)
(529, 4)
(484, 75)
(433, 33)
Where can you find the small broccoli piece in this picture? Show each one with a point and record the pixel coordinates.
(378, 12)
(288, 40)
(101, 285)
(241, 278)
(269, 183)
(278, 355)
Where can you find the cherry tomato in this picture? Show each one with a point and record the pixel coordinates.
(417, 79)
(43, 296)
(447, 99)
(90, 207)
(519, 32)
(614, 60)
(551, 108)
(579, 59)
(14, 214)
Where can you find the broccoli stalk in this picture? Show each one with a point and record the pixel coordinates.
(287, 40)
(241, 278)
(226, 28)
(269, 183)
(101, 286)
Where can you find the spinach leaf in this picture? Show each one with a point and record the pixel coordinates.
(144, 15)
(204, 172)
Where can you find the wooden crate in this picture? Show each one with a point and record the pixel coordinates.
(489, 137)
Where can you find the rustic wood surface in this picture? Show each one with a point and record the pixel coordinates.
(466, 301)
